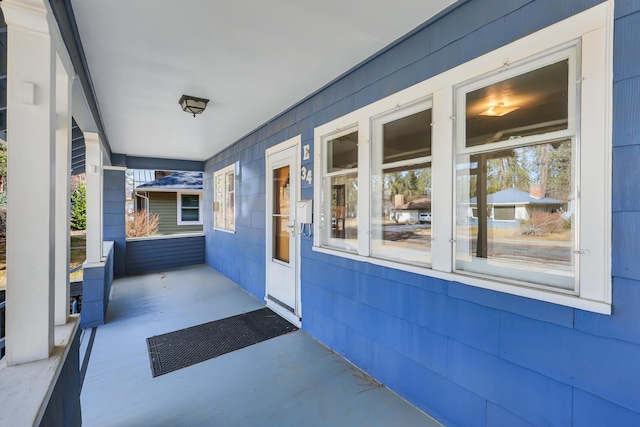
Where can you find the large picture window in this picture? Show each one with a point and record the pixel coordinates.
(494, 174)
(224, 183)
(515, 167)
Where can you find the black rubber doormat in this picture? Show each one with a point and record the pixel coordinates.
(179, 349)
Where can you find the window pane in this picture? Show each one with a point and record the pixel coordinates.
(407, 138)
(230, 214)
(190, 200)
(220, 200)
(532, 103)
(515, 214)
(231, 182)
(230, 218)
(281, 239)
(401, 187)
(342, 152)
(281, 213)
(401, 217)
(190, 215)
(340, 219)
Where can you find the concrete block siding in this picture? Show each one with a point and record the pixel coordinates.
(467, 356)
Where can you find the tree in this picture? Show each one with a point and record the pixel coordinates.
(3, 167)
(79, 208)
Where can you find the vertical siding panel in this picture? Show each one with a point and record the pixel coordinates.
(114, 217)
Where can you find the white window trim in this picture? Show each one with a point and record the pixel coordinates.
(179, 203)
(594, 28)
(224, 171)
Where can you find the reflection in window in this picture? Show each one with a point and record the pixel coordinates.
(528, 104)
(342, 209)
(401, 179)
(515, 178)
(281, 214)
(342, 152)
(340, 192)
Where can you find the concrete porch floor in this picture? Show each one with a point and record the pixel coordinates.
(291, 380)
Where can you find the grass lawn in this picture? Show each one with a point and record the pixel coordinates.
(77, 253)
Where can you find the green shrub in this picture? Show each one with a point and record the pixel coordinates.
(79, 208)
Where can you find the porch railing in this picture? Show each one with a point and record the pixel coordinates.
(2, 305)
(2, 315)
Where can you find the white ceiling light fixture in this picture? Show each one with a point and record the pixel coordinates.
(192, 104)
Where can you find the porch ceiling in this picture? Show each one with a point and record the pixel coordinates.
(252, 59)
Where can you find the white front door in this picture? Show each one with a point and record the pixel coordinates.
(282, 193)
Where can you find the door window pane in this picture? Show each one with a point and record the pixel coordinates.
(281, 213)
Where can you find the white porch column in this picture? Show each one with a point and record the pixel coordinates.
(31, 125)
(93, 170)
(64, 88)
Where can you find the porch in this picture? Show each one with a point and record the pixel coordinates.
(288, 380)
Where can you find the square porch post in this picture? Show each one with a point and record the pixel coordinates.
(94, 172)
(31, 124)
(64, 88)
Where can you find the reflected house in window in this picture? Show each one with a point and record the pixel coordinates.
(177, 199)
(516, 205)
(416, 211)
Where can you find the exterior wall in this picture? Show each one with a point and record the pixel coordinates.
(166, 205)
(96, 288)
(465, 355)
(114, 217)
(63, 408)
(154, 254)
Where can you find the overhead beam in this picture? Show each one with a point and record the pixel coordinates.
(65, 18)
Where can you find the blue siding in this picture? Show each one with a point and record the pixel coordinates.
(148, 255)
(467, 356)
(96, 288)
(63, 408)
(114, 217)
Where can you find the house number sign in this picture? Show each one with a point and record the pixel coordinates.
(305, 173)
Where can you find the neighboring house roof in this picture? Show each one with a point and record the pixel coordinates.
(179, 181)
(511, 196)
(418, 204)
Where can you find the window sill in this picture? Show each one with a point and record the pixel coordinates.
(224, 230)
(559, 298)
(165, 236)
